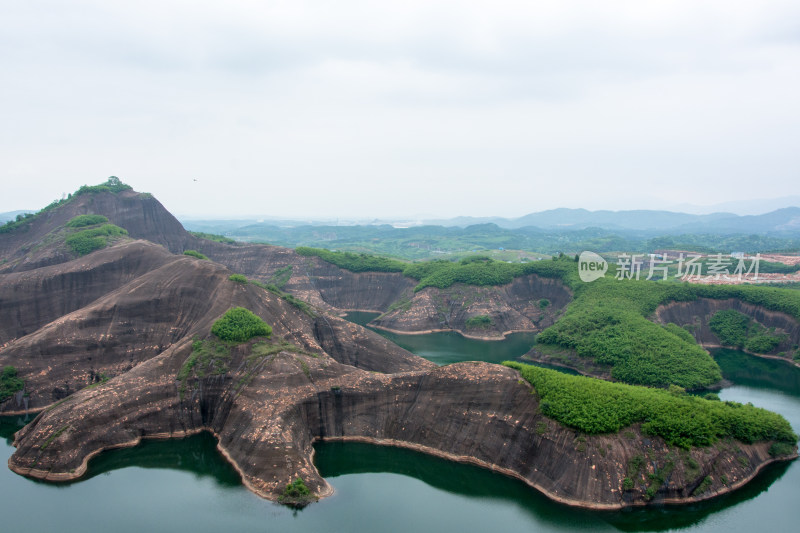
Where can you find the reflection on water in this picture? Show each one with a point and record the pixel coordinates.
(706, 516)
(348, 459)
(446, 347)
(197, 454)
(185, 485)
(11, 424)
(757, 372)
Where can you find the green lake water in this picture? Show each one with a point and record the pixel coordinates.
(185, 485)
(446, 347)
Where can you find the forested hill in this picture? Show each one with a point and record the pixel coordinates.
(776, 232)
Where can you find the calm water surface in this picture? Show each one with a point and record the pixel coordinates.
(444, 348)
(184, 485)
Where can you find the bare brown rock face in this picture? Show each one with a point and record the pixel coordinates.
(313, 280)
(529, 303)
(142, 215)
(695, 316)
(353, 345)
(478, 413)
(513, 307)
(33, 298)
(107, 347)
(80, 334)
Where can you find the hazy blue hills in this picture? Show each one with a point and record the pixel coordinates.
(11, 215)
(785, 220)
(772, 232)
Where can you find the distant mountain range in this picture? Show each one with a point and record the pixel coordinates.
(780, 221)
(11, 215)
(784, 222)
(750, 206)
(549, 232)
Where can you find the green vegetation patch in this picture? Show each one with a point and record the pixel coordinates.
(281, 277)
(354, 262)
(208, 357)
(607, 321)
(730, 326)
(703, 486)
(298, 303)
(239, 325)
(102, 379)
(781, 448)
(9, 383)
(739, 330)
(89, 240)
(195, 253)
(112, 185)
(212, 357)
(403, 303)
(213, 237)
(637, 350)
(81, 221)
(21, 220)
(763, 342)
(595, 406)
(475, 270)
(238, 278)
(296, 493)
(479, 322)
(680, 332)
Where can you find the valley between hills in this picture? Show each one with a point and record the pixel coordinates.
(107, 333)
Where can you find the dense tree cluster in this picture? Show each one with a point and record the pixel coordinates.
(595, 406)
(736, 329)
(9, 383)
(239, 325)
(478, 270)
(89, 240)
(607, 320)
(81, 221)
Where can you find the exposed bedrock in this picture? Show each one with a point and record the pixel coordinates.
(104, 345)
(695, 316)
(313, 280)
(529, 303)
(351, 344)
(142, 215)
(373, 291)
(119, 329)
(513, 307)
(31, 299)
(266, 425)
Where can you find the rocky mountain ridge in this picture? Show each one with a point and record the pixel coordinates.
(103, 343)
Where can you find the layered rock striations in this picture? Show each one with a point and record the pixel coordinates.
(33, 298)
(529, 303)
(62, 335)
(109, 345)
(476, 413)
(517, 306)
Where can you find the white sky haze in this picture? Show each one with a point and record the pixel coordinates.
(378, 109)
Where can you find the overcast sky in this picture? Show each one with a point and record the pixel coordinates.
(380, 109)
